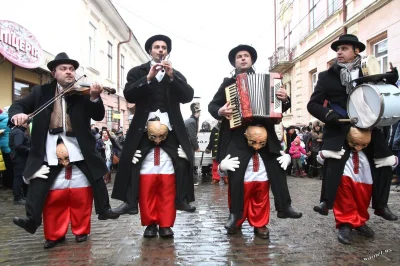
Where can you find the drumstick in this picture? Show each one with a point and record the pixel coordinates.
(391, 66)
(353, 120)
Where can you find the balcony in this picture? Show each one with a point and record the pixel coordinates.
(281, 60)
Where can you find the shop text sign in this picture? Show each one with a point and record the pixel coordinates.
(19, 46)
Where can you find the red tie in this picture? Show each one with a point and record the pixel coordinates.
(68, 172)
(356, 162)
(157, 155)
(256, 163)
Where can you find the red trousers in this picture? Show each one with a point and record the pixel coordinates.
(256, 203)
(63, 206)
(351, 203)
(157, 199)
(215, 175)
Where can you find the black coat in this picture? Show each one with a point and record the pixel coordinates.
(20, 144)
(80, 110)
(192, 125)
(219, 100)
(137, 90)
(213, 142)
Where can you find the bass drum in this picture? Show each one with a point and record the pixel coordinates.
(374, 105)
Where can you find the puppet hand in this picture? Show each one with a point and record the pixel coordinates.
(182, 153)
(229, 163)
(387, 161)
(331, 154)
(136, 156)
(284, 160)
(41, 173)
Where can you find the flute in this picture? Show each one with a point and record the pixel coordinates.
(161, 59)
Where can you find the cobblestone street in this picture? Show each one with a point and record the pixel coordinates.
(200, 237)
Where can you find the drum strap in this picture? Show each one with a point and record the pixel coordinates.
(338, 109)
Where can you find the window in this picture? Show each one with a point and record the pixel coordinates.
(21, 89)
(313, 80)
(381, 54)
(109, 114)
(92, 44)
(109, 55)
(333, 6)
(122, 71)
(317, 13)
(288, 88)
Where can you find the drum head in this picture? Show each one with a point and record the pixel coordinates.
(365, 103)
(370, 66)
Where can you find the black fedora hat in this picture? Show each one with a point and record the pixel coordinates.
(348, 39)
(62, 58)
(159, 37)
(242, 47)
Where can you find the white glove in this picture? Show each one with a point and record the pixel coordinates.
(41, 173)
(284, 160)
(387, 161)
(229, 163)
(320, 160)
(182, 153)
(136, 156)
(332, 154)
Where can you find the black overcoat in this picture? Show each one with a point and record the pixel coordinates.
(137, 90)
(80, 110)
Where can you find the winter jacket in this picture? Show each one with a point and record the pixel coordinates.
(5, 133)
(295, 151)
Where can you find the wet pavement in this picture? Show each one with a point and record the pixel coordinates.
(200, 237)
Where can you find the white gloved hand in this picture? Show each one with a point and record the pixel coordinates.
(387, 161)
(136, 156)
(41, 173)
(332, 154)
(284, 160)
(229, 163)
(182, 153)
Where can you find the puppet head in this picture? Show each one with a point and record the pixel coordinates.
(62, 154)
(358, 139)
(279, 131)
(156, 131)
(256, 136)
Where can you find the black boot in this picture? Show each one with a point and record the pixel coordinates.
(365, 230)
(26, 223)
(344, 234)
(185, 206)
(386, 214)
(125, 208)
(108, 214)
(322, 208)
(230, 225)
(150, 231)
(289, 213)
(53, 243)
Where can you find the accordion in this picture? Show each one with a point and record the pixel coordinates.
(252, 99)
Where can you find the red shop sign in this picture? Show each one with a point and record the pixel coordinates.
(19, 46)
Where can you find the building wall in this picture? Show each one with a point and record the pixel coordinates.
(5, 84)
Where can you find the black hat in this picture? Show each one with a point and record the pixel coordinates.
(242, 47)
(62, 58)
(348, 39)
(158, 37)
(195, 107)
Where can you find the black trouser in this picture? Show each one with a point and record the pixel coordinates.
(8, 174)
(18, 182)
(314, 165)
(333, 171)
(183, 175)
(276, 175)
(39, 187)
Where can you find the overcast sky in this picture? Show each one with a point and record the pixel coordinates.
(203, 33)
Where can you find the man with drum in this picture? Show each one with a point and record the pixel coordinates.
(334, 86)
(232, 142)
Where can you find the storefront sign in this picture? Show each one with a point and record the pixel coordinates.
(19, 46)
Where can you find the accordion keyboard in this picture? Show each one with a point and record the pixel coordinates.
(232, 97)
(277, 102)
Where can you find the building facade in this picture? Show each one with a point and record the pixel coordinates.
(95, 35)
(306, 28)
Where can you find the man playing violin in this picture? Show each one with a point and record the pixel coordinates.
(334, 86)
(157, 89)
(68, 119)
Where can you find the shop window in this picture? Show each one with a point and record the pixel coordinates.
(21, 89)
(381, 54)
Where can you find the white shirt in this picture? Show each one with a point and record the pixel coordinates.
(74, 151)
(355, 74)
(78, 180)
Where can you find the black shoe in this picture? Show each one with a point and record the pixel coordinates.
(165, 232)
(322, 208)
(150, 231)
(344, 234)
(20, 202)
(185, 206)
(52, 244)
(26, 223)
(108, 214)
(81, 238)
(386, 214)
(289, 213)
(365, 230)
(261, 232)
(231, 223)
(125, 208)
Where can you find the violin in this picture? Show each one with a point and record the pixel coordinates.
(84, 89)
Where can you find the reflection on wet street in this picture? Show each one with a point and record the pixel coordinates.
(200, 237)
